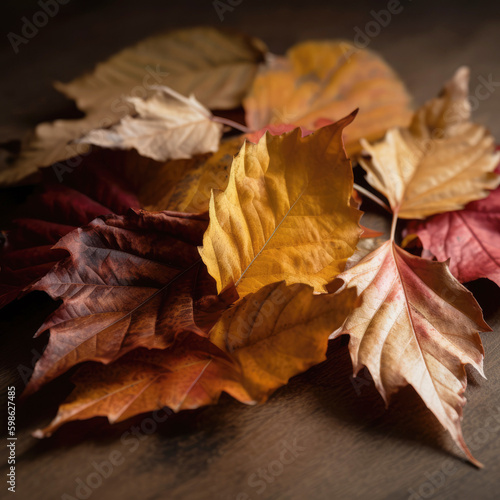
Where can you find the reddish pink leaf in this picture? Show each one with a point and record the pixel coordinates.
(470, 238)
(276, 129)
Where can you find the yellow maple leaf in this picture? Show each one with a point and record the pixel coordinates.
(285, 214)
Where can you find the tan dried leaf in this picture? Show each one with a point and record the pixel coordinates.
(166, 126)
(50, 143)
(216, 66)
(440, 162)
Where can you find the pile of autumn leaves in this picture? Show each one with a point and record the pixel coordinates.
(185, 273)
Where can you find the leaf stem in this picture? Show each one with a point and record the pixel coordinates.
(372, 197)
(231, 123)
(393, 225)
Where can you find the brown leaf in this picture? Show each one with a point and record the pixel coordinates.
(89, 190)
(416, 325)
(191, 374)
(131, 281)
(264, 340)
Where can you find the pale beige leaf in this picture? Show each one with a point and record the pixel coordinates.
(285, 214)
(438, 164)
(50, 143)
(166, 126)
(416, 325)
(217, 67)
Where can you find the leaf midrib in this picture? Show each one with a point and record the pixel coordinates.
(272, 235)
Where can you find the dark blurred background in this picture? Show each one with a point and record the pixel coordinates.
(425, 42)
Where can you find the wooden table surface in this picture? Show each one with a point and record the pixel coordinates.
(322, 436)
